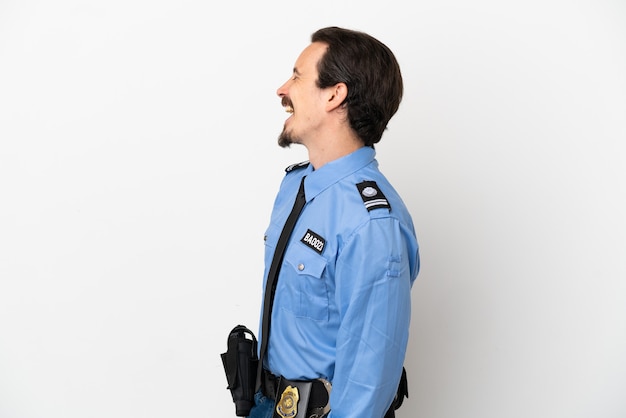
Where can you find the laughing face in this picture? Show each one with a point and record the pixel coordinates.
(302, 99)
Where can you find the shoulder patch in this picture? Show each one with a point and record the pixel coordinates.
(297, 166)
(372, 196)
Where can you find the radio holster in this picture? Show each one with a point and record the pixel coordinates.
(240, 364)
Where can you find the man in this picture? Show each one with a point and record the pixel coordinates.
(341, 309)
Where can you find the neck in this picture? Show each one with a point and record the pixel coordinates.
(332, 148)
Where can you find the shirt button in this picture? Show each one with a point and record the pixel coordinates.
(300, 266)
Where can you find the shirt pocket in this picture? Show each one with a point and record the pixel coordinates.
(310, 297)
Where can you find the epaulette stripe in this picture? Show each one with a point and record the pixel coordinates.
(377, 203)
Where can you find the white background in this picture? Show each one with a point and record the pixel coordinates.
(138, 166)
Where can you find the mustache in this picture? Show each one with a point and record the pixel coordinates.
(285, 101)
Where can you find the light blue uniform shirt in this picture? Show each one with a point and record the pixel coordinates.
(342, 305)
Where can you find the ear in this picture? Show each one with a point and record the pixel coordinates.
(336, 96)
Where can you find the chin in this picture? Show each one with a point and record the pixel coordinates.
(285, 140)
(287, 137)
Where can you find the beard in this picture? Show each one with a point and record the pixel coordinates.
(286, 138)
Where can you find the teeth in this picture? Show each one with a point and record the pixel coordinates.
(288, 109)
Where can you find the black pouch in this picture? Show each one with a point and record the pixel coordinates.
(240, 364)
(403, 392)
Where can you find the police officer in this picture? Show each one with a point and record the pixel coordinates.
(341, 308)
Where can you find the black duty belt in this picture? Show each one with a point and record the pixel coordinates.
(297, 398)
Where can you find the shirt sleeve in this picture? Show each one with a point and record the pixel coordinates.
(374, 274)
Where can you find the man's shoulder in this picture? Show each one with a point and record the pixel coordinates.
(376, 195)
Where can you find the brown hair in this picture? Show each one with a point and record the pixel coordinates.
(372, 74)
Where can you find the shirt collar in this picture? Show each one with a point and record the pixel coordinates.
(330, 173)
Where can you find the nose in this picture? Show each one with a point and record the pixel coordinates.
(282, 90)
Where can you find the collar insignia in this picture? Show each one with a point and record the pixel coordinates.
(296, 166)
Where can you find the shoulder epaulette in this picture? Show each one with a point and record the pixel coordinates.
(372, 196)
(297, 166)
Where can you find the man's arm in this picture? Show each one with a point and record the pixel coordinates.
(373, 279)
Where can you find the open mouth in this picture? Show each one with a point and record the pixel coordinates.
(287, 105)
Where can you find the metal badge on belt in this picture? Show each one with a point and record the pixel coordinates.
(287, 406)
(302, 399)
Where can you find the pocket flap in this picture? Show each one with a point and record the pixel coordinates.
(306, 262)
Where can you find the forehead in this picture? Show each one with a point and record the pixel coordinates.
(310, 56)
